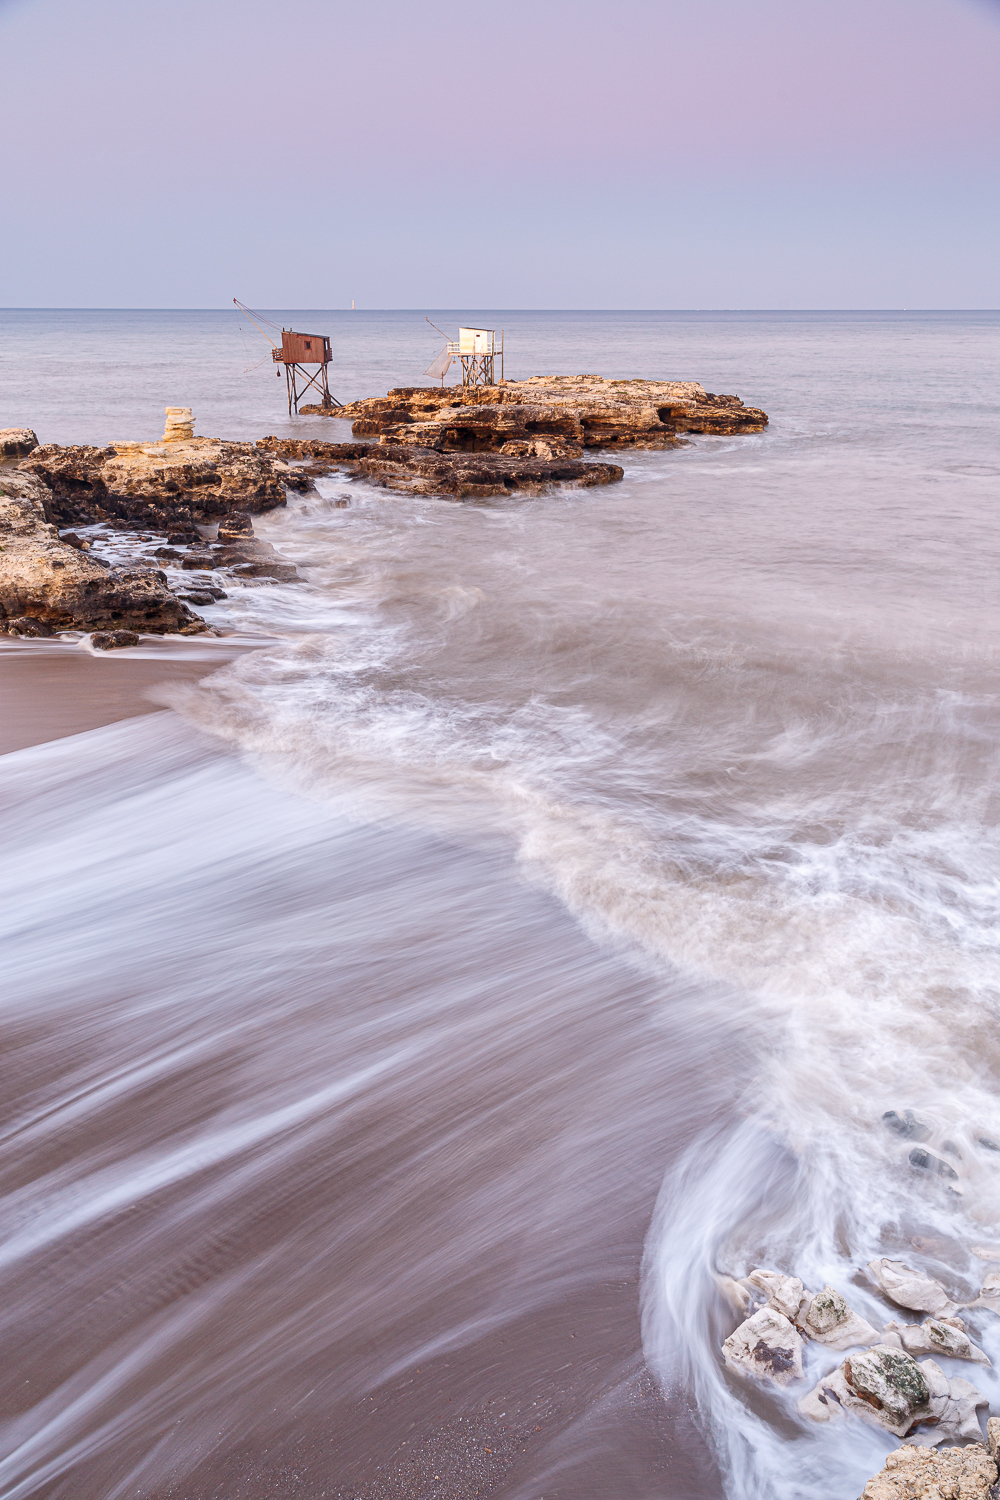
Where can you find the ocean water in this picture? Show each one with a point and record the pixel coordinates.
(410, 1023)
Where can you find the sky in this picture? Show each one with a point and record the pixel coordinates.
(529, 154)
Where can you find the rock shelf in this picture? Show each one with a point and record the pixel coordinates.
(547, 417)
(457, 475)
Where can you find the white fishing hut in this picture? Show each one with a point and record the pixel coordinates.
(478, 349)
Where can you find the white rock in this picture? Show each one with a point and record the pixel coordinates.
(829, 1320)
(883, 1386)
(935, 1336)
(785, 1293)
(987, 1252)
(766, 1346)
(954, 1404)
(735, 1292)
(989, 1293)
(909, 1288)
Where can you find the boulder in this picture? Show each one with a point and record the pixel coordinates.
(766, 1346)
(918, 1473)
(47, 586)
(829, 1320)
(945, 1336)
(113, 640)
(886, 1386)
(909, 1288)
(17, 442)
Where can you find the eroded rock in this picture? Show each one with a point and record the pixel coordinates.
(458, 475)
(548, 416)
(829, 1320)
(48, 586)
(918, 1473)
(909, 1288)
(944, 1336)
(17, 442)
(767, 1346)
(887, 1387)
(165, 487)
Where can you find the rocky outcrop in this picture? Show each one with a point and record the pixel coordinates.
(16, 442)
(160, 486)
(427, 471)
(915, 1473)
(547, 416)
(47, 585)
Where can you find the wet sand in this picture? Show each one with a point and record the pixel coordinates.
(51, 691)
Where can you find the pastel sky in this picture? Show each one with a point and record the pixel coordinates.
(520, 153)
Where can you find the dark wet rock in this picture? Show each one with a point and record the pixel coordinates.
(113, 640)
(987, 1143)
(237, 525)
(907, 1125)
(458, 475)
(280, 572)
(72, 540)
(202, 596)
(27, 625)
(57, 586)
(17, 442)
(928, 1162)
(168, 554)
(195, 561)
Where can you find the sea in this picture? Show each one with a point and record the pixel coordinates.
(409, 1026)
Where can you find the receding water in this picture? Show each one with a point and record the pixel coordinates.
(405, 1024)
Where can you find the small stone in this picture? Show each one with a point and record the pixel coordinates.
(113, 640)
(907, 1125)
(926, 1161)
(786, 1293)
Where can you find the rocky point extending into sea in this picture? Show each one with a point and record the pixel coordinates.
(518, 437)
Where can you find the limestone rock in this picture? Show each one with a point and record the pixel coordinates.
(458, 475)
(830, 1320)
(909, 1288)
(918, 1473)
(989, 1293)
(785, 1293)
(767, 1346)
(16, 442)
(154, 487)
(547, 416)
(47, 586)
(180, 424)
(885, 1386)
(944, 1336)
